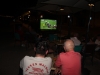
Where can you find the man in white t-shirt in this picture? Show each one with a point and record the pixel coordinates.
(38, 65)
(76, 40)
(98, 43)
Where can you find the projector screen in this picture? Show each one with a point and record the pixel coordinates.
(48, 24)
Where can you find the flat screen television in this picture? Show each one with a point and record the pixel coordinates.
(48, 24)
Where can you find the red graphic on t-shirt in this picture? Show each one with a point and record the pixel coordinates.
(36, 70)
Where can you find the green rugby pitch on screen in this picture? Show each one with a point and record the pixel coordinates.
(48, 24)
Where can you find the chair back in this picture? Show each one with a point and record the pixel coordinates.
(78, 48)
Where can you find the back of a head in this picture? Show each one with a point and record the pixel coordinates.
(42, 47)
(68, 45)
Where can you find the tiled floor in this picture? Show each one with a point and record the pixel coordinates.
(10, 57)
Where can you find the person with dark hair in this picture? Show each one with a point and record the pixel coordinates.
(38, 65)
(39, 39)
(31, 37)
(19, 35)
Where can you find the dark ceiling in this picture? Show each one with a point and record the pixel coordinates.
(92, 1)
(15, 7)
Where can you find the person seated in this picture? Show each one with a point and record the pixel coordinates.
(38, 65)
(91, 41)
(39, 38)
(76, 40)
(19, 35)
(68, 63)
(31, 37)
(98, 43)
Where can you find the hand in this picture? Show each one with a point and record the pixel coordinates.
(57, 71)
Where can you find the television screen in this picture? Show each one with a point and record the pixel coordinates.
(48, 24)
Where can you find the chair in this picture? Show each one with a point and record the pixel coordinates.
(20, 71)
(78, 48)
(89, 51)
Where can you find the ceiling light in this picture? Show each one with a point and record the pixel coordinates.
(68, 16)
(41, 16)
